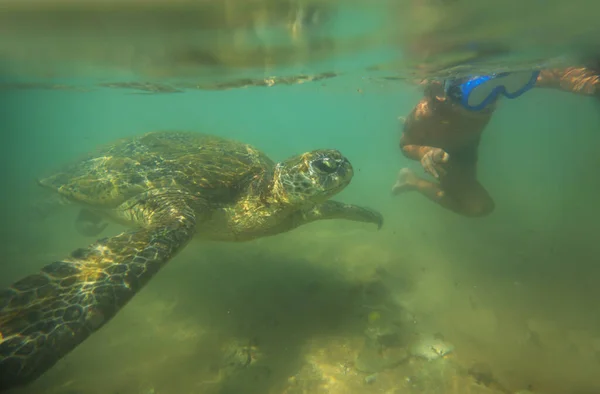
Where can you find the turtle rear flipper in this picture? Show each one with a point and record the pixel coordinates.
(46, 315)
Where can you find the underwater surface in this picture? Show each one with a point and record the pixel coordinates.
(430, 303)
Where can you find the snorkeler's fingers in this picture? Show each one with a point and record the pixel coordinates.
(440, 156)
(430, 167)
(427, 163)
(440, 170)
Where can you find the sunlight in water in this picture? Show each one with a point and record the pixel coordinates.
(249, 269)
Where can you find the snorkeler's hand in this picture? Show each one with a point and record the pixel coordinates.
(434, 160)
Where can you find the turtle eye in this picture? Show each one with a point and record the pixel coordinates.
(326, 165)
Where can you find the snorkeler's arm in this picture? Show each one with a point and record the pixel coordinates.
(577, 80)
(413, 125)
(414, 152)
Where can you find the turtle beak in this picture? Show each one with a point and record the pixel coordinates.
(345, 170)
(347, 167)
(343, 175)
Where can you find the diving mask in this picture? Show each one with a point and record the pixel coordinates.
(476, 92)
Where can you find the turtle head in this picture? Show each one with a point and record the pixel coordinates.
(312, 177)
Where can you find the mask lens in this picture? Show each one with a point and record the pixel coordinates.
(485, 90)
(516, 82)
(511, 85)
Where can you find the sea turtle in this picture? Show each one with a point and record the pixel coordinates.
(170, 186)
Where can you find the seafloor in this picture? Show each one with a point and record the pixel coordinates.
(329, 308)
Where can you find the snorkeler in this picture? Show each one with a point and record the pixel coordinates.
(444, 129)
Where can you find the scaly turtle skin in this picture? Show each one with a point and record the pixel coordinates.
(170, 187)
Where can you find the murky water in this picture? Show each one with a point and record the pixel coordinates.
(431, 303)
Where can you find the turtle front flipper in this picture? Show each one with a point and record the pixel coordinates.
(331, 210)
(47, 206)
(89, 224)
(337, 210)
(46, 315)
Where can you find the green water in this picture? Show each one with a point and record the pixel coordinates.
(515, 294)
(517, 290)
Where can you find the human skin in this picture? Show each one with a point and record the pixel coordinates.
(445, 138)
